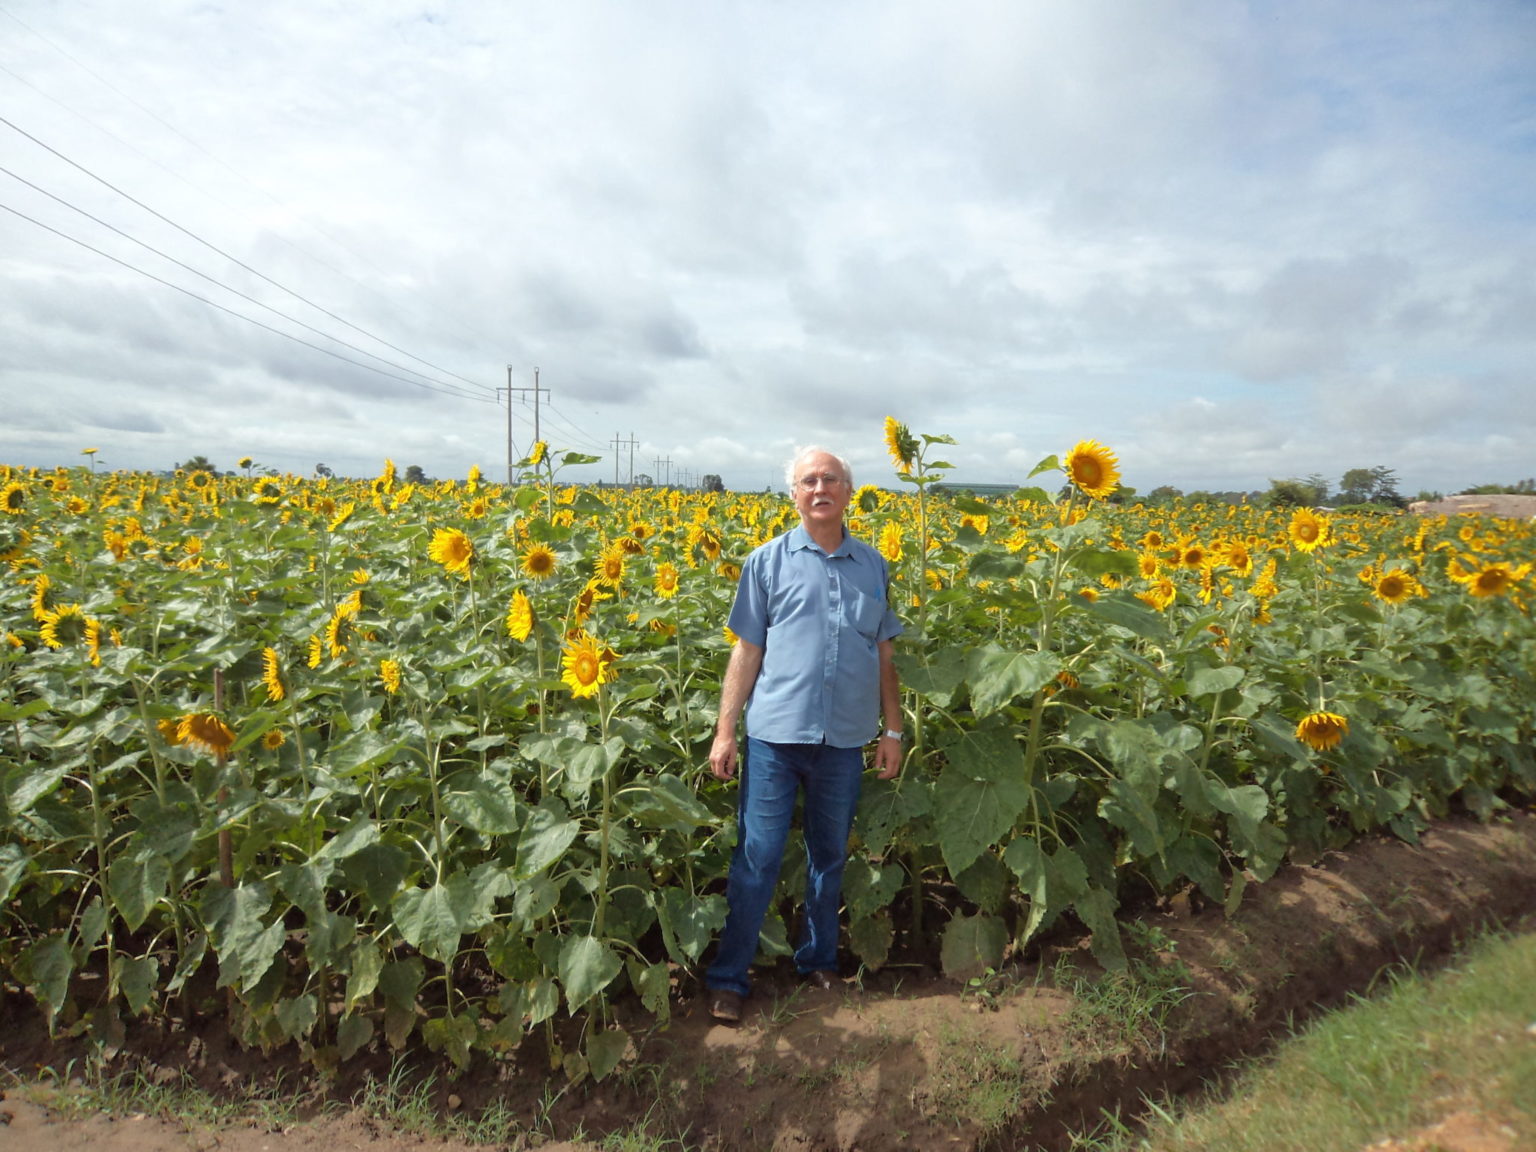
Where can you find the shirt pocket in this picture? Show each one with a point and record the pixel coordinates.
(865, 614)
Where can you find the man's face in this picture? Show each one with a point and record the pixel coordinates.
(824, 502)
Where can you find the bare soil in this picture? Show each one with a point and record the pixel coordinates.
(907, 1059)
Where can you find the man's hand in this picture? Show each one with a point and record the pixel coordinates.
(722, 755)
(888, 757)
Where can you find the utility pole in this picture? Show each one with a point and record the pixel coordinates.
(617, 444)
(668, 462)
(509, 390)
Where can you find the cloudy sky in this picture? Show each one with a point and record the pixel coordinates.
(1233, 241)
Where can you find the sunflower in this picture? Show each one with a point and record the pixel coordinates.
(40, 609)
(93, 641)
(890, 541)
(477, 508)
(609, 567)
(588, 664)
(631, 545)
(13, 499)
(342, 516)
(978, 522)
(272, 675)
(169, 730)
(539, 562)
(201, 480)
(1093, 469)
(1309, 531)
(273, 739)
(267, 491)
(900, 443)
(1496, 579)
(590, 594)
(244, 462)
(519, 616)
(453, 550)
(1162, 593)
(64, 625)
(316, 651)
(537, 453)
(729, 570)
(206, 731)
(389, 674)
(666, 581)
(1148, 564)
(1322, 731)
(1397, 587)
(1236, 556)
(1192, 555)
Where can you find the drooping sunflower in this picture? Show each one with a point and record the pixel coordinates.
(389, 675)
(64, 625)
(1397, 587)
(206, 731)
(1322, 731)
(537, 453)
(342, 515)
(587, 664)
(453, 550)
(1308, 531)
(666, 580)
(519, 616)
(901, 444)
(729, 570)
(93, 641)
(890, 541)
(40, 608)
(13, 499)
(539, 562)
(1093, 469)
(316, 650)
(272, 675)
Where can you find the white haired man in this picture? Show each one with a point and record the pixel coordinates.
(813, 672)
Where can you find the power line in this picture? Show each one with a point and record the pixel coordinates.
(227, 288)
(363, 285)
(238, 315)
(236, 261)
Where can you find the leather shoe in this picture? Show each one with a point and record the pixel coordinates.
(725, 1005)
(824, 979)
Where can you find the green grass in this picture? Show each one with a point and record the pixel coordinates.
(1388, 1065)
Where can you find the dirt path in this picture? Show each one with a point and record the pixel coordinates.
(909, 1061)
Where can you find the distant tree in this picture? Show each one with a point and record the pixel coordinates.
(644, 481)
(198, 464)
(1425, 496)
(1519, 488)
(1370, 486)
(711, 483)
(323, 470)
(1295, 493)
(414, 475)
(1355, 487)
(1320, 484)
(1164, 494)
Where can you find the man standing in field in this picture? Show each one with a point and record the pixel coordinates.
(813, 670)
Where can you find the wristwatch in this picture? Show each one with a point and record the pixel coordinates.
(897, 736)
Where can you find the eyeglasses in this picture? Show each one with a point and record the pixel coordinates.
(808, 483)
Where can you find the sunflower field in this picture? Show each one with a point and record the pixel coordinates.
(368, 763)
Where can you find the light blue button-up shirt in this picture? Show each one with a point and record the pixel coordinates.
(819, 619)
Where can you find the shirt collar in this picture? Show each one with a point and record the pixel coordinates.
(800, 539)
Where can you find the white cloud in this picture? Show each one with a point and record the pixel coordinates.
(1232, 246)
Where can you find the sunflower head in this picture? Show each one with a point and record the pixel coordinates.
(666, 580)
(206, 731)
(1308, 531)
(587, 665)
(538, 453)
(1093, 469)
(389, 675)
(890, 541)
(1396, 587)
(539, 562)
(1322, 731)
(901, 444)
(519, 616)
(13, 499)
(453, 550)
(272, 674)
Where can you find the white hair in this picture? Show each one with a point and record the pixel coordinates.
(793, 466)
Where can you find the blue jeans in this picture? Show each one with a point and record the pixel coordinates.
(771, 777)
